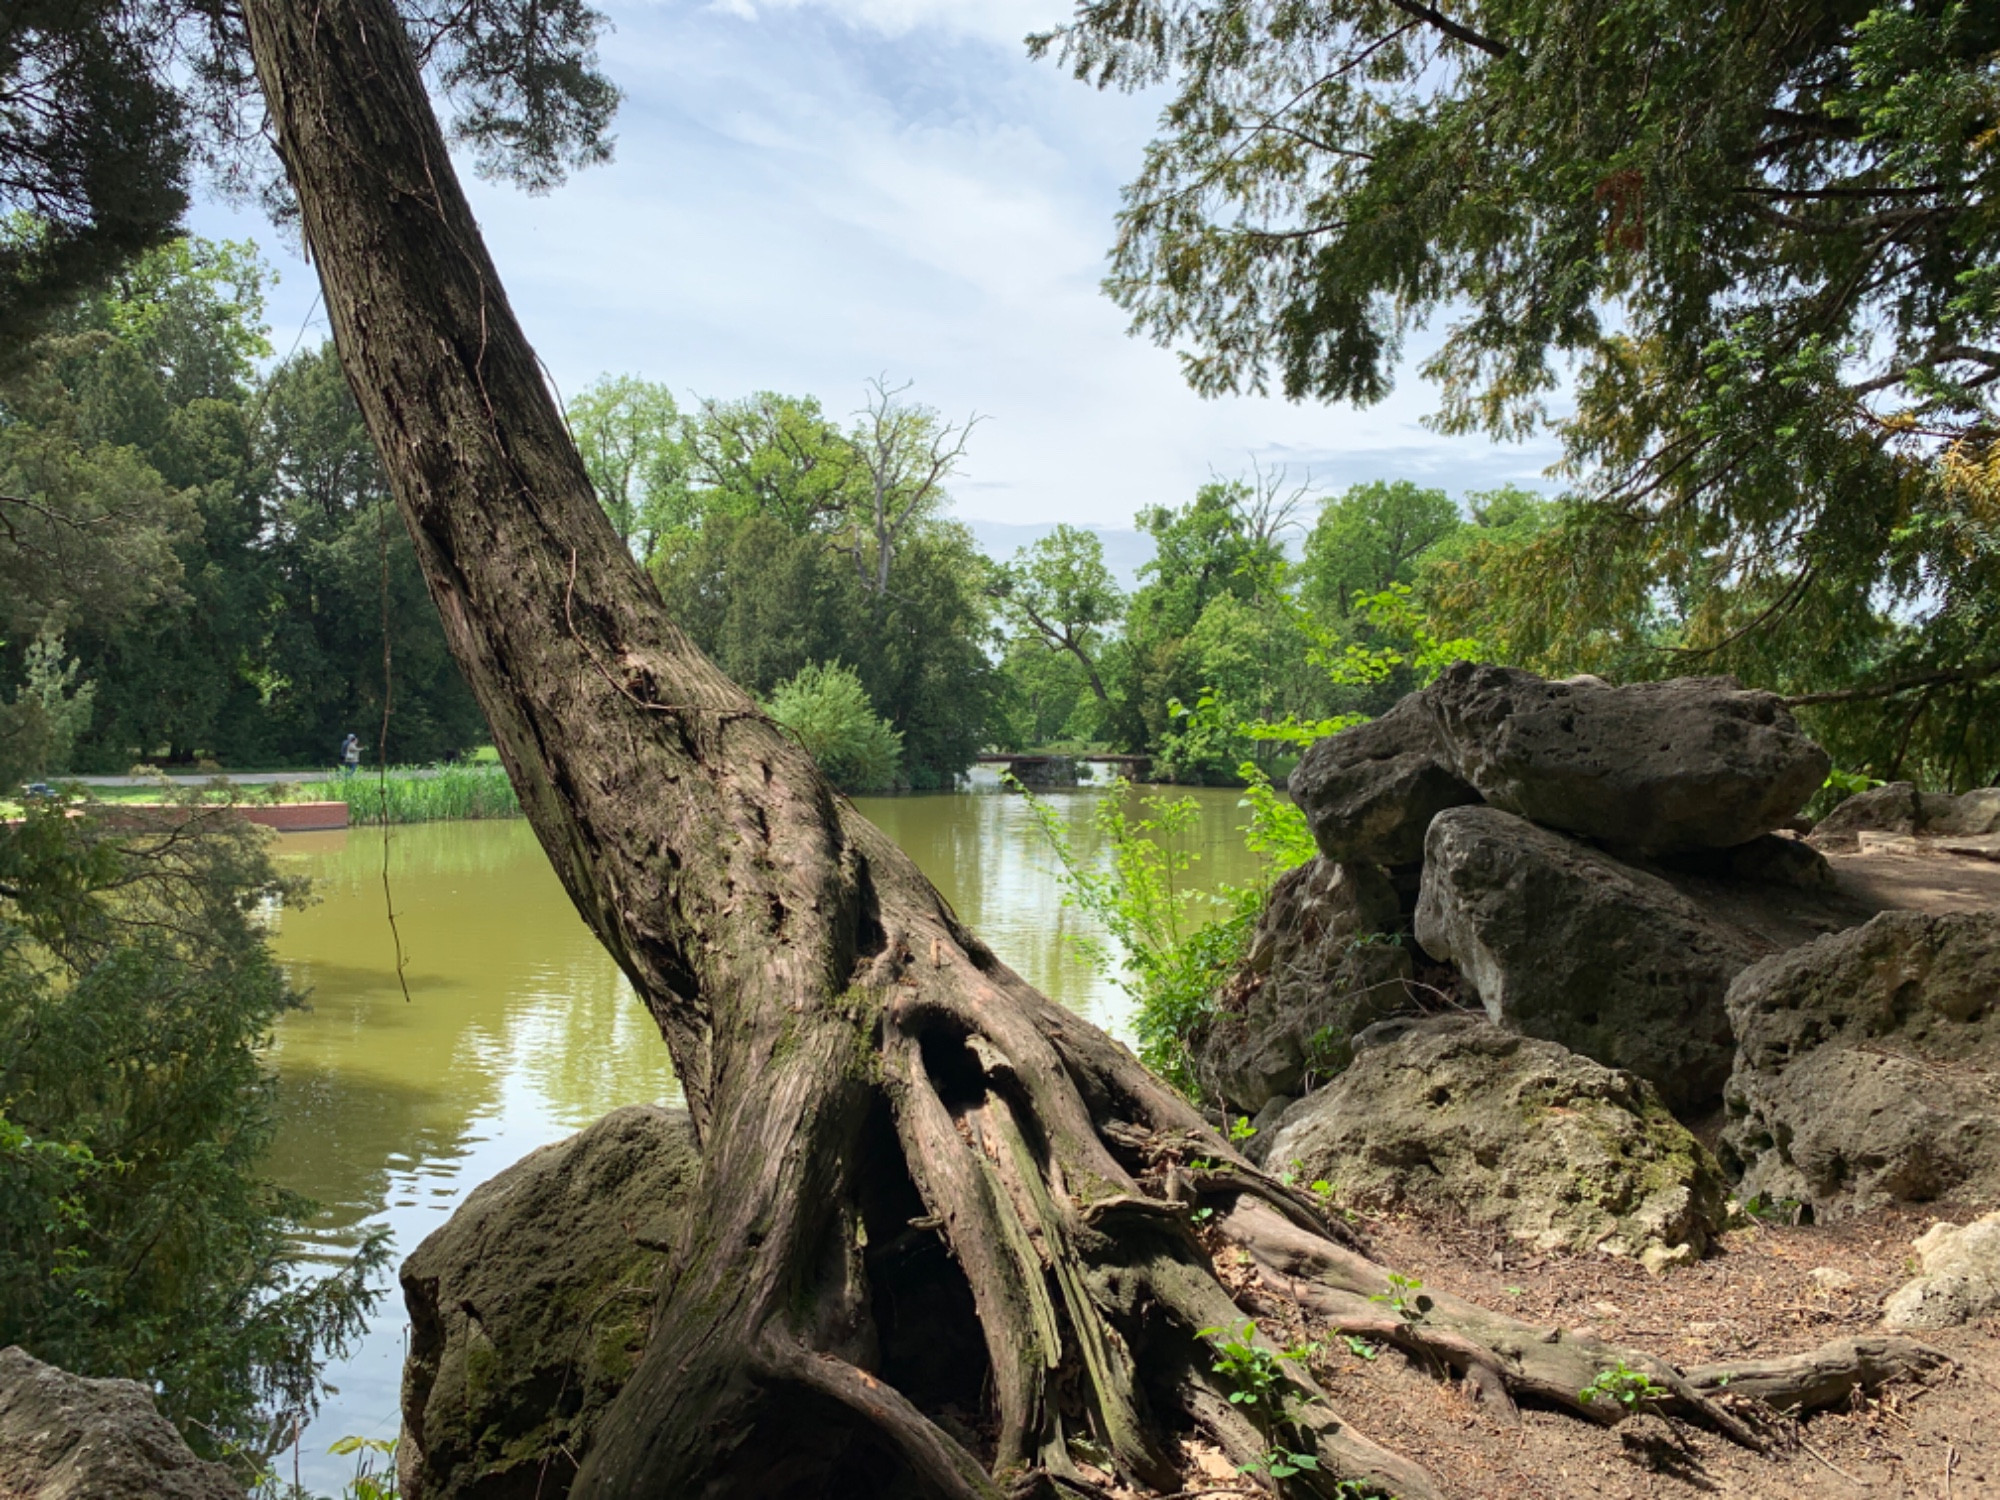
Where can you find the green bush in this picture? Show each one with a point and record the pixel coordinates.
(444, 794)
(39, 726)
(137, 1238)
(827, 710)
(1179, 942)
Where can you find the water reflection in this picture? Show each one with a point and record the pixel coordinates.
(519, 1028)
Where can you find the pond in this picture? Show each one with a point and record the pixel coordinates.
(518, 1029)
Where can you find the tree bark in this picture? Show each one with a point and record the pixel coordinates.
(944, 1233)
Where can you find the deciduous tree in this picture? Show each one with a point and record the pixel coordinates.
(1370, 538)
(1060, 590)
(629, 433)
(906, 452)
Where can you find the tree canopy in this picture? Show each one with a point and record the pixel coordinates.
(138, 1237)
(1373, 538)
(114, 107)
(629, 433)
(796, 550)
(1759, 239)
(197, 557)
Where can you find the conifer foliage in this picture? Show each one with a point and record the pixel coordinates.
(1757, 241)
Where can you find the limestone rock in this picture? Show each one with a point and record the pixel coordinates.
(1866, 1065)
(1370, 792)
(1984, 846)
(1690, 763)
(1322, 964)
(1894, 807)
(1899, 809)
(1969, 815)
(529, 1308)
(1656, 767)
(1455, 1116)
(1768, 859)
(1565, 943)
(1959, 1278)
(64, 1437)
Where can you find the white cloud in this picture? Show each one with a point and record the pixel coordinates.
(997, 20)
(810, 192)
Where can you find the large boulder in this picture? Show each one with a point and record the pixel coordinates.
(1323, 962)
(529, 1308)
(1971, 814)
(1957, 1280)
(1456, 1116)
(1565, 943)
(1370, 792)
(1690, 763)
(63, 1437)
(1653, 767)
(1866, 1065)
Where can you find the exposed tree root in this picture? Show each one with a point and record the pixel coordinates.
(1497, 1352)
(944, 1242)
(1821, 1377)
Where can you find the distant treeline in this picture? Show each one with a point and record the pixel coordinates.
(198, 559)
(1227, 635)
(199, 556)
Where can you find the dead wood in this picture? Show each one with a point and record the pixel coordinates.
(1826, 1376)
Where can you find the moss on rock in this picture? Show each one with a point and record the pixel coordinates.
(1457, 1117)
(531, 1306)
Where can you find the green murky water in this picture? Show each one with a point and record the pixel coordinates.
(518, 1029)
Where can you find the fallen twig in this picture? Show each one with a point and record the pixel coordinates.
(1836, 1468)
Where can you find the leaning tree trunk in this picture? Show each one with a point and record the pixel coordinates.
(943, 1241)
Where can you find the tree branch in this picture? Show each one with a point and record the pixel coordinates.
(1946, 678)
(1431, 16)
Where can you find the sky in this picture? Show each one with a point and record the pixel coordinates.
(810, 193)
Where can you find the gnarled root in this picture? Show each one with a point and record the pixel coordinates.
(1501, 1355)
(952, 1253)
(1821, 1377)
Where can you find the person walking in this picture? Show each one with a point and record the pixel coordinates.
(350, 757)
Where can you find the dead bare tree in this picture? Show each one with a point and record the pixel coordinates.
(907, 454)
(1272, 508)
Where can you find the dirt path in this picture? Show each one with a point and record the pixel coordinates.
(1758, 1295)
(1934, 882)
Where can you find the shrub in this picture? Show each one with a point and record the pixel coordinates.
(827, 710)
(136, 1237)
(1146, 900)
(443, 794)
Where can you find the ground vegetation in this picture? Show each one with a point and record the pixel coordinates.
(138, 1237)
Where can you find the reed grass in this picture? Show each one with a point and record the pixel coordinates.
(448, 794)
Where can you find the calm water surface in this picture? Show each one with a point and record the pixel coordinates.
(518, 1028)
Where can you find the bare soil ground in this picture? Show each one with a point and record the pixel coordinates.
(1928, 881)
(1756, 1295)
